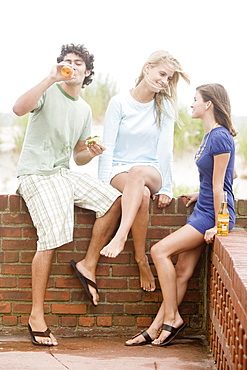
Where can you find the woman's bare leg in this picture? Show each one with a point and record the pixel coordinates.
(139, 233)
(185, 267)
(138, 177)
(185, 239)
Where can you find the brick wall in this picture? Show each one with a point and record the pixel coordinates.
(227, 309)
(124, 308)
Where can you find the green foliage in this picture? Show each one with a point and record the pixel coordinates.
(241, 140)
(189, 135)
(183, 189)
(98, 95)
(20, 124)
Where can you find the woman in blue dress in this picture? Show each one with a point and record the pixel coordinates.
(215, 161)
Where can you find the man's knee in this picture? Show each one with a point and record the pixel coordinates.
(116, 207)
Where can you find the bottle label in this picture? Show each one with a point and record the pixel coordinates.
(223, 224)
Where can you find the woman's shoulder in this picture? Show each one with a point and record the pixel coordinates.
(121, 96)
(221, 139)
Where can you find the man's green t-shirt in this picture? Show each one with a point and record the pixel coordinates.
(53, 130)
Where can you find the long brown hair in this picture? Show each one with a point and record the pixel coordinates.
(170, 92)
(218, 95)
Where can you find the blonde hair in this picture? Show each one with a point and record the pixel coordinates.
(218, 95)
(170, 92)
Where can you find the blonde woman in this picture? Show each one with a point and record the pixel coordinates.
(138, 136)
(215, 161)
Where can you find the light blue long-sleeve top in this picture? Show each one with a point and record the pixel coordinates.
(131, 136)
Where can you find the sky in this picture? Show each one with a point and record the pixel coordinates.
(207, 37)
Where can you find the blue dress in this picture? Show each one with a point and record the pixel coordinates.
(218, 141)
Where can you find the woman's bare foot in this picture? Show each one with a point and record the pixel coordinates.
(40, 326)
(113, 249)
(139, 339)
(90, 275)
(146, 277)
(165, 333)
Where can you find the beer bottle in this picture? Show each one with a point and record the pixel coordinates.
(223, 217)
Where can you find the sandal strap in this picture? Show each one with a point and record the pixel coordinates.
(42, 333)
(147, 337)
(169, 328)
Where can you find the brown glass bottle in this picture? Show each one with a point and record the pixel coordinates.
(223, 217)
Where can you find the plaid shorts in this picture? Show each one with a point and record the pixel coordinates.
(50, 201)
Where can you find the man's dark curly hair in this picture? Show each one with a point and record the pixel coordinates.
(82, 52)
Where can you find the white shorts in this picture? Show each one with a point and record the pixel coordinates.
(119, 168)
(51, 199)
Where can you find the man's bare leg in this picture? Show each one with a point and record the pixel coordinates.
(103, 229)
(41, 267)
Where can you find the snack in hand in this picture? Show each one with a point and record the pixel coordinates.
(93, 140)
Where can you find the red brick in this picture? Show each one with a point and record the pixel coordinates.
(120, 270)
(168, 220)
(63, 282)
(3, 202)
(124, 321)
(109, 283)
(68, 321)
(103, 270)
(15, 295)
(58, 295)
(17, 218)
(144, 321)
(24, 282)
(16, 269)
(134, 283)
(29, 232)
(85, 219)
(10, 257)
(82, 232)
(15, 202)
(121, 258)
(141, 309)
(61, 269)
(193, 296)
(19, 244)
(10, 232)
(76, 309)
(68, 246)
(86, 321)
(124, 296)
(66, 257)
(158, 234)
(182, 209)
(104, 321)
(5, 307)
(9, 320)
(22, 307)
(23, 205)
(8, 282)
(26, 257)
(106, 309)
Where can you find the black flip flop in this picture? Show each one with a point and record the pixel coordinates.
(146, 336)
(45, 334)
(85, 282)
(174, 332)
